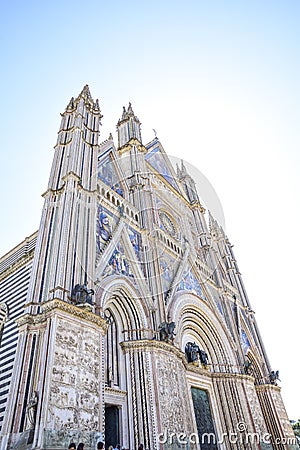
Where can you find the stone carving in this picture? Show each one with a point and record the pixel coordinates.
(255, 408)
(166, 332)
(194, 354)
(203, 357)
(60, 438)
(248, 367)
(81, 294)
(175, 414)
(75, 385)
(282, 414)
(274, 376)
(31, 411)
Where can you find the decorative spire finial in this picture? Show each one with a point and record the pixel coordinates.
(86, 92)
(71, 104)
(183, 169)
(130, 110)
(128, 127)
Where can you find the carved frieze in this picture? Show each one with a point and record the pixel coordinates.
(173, 395)
(281, 411)
(75, 378)
(256, 412)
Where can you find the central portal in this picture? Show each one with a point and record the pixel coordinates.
(204, 419)
(112, 426)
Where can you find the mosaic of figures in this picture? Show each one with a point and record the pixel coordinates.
(168, 268)
(158, 162)
(75, 387)
(136, 242)
(216, 298)
(105, 225)
(119, 262)
(244, 342)
(108, 174)
(190, 283)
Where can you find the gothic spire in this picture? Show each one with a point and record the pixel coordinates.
(88, 101)
(128, 127)
(188, 183)
(85, 93)
(128, 113)
(181, 171)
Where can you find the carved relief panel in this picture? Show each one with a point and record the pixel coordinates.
(175, 409)
(75, 388)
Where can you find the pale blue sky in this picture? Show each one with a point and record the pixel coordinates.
(219, 81)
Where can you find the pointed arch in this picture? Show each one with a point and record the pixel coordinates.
(255, 369)
(258, 369)
(196, 321)
(119, 294)
(128, 319)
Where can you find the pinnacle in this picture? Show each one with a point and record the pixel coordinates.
(183, 168)
(128, 112)
(85, 93)
(181, 171)
(71, 104)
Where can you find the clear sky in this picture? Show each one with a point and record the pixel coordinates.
(219, 82)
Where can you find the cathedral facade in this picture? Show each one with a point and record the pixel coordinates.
(124, 319)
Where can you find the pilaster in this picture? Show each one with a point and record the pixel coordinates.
(167, 399)
(65, 250)
(61, 368)
(278, 424)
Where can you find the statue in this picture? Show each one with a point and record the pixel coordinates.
(247, 367)
(192, 352)
(31, 410)
(274, 376)
(166, 331)
(81, 294)
(203, 357)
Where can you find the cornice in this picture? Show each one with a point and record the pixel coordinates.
(128, 146)
(233, 376)
(154, 346)
(51, 307)
(116, 392)
(267, 387)
(218, 375)
(65, 178)
(147, 345)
